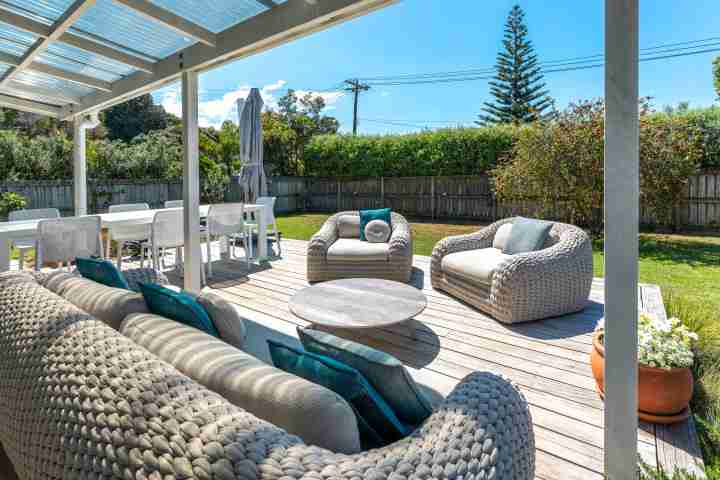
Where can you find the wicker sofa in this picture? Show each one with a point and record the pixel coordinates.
(78, 399)
(553, 281)
(336, 252)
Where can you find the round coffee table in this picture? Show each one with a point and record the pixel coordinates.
(358, 303)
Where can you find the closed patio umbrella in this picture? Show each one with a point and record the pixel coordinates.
(252, 174)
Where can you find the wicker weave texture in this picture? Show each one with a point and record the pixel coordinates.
(549, 282)
(398, 267)
(80, 401)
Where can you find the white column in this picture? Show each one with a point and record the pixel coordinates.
(191, 182)
(79, 167)
(621, 237)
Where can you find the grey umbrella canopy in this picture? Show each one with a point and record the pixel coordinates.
(252, 175)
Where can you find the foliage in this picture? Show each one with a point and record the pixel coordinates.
(11, 201)
(706, 123)
(279, 142)
(716, 75)
(137, 116)
(465, 151)
(518, 87)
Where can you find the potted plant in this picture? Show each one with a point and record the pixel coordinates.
(665, 382)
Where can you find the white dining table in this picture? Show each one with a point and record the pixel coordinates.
(10, 231)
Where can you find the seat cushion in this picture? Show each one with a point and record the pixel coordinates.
(356, 250)
(377, 422)
(102, 271)
(367, 216)
(384, 372)
(348, 226)
(179, 306)
(475, 265)
(527, 235)
(377, 231)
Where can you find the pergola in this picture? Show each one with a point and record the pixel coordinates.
(70, 59)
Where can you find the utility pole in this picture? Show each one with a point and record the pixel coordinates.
(356, 87)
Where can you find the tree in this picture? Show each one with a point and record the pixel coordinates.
(716, 76)
(518, 87)
(139, 115)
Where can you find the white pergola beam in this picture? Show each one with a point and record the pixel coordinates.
(29, 106)
(175, 22)
(78, 78)
(284, 23)
(43, 31)
(56, 30)
(267, 3)
(191, 183)
(40, 94)
(621, 237)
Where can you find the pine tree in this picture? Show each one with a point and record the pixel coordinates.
(518, 87)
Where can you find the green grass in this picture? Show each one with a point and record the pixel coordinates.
(686, 267)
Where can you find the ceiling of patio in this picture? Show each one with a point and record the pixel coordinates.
(67, 57)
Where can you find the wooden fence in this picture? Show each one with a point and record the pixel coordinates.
(458, 197)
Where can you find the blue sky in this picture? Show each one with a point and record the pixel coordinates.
(420, 36)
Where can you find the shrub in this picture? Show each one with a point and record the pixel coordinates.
(10, 201)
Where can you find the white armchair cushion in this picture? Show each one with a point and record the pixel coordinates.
(355, 250)
(348, 226)
(475, 265)
(501, 236)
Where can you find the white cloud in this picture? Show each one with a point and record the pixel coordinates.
(212, 113)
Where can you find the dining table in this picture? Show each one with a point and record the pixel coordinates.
(10, 231)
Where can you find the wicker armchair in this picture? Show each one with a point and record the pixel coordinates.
(80, 400)
(394, 263)
(524, 287)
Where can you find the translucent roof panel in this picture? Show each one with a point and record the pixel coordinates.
(123, 26)
(216, 15)
(46, 11)
(15, 41)
(35, 79)
(76, 60)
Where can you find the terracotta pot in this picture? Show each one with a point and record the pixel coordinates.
(660, 391)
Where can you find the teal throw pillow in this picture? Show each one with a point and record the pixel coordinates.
(179, 306)
(101, 271)
(377, 423)
(527, 235)
(384, 372)
(367, 216)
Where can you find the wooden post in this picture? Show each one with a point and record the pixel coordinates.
(339, 195)
(382, 192)
(432, 198)
(191, 182)
(621, 237)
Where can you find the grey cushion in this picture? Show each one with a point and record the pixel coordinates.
(385, 372)
(228, 322)
(314, 413)
(355, 250)
(377, 231)
(527, 235)
(111, 305)
(474, 265)
(501, 236)
(349, 226)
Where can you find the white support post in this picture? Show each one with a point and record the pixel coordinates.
(191, 182)
(79, 168)
(621, 237)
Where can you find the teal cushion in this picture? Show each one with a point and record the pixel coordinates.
(527, 235)
(367, 216)
(384, 372)
(179, 306)
(377, 423)
(101, 271)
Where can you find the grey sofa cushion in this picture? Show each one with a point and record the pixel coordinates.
(474, 265)
(227, 320)
(314, 413)
(527, 235)
(501, 236)
(385, 372)
(348, 226)
(111, 305)
(355, 250)
(377, 231)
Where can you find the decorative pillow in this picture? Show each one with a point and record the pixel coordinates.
(349, 226)
(377, 422)
(527, 235)
(384, 372)
(179, 306)
(501, 236)
(367, 216)
(230, 325)
(101, 271)
(377, 231)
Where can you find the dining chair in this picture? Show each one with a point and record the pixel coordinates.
(173, 204)
(269, 211)
(227, 220)
(62, 240)
(166, 231)
(25, 244)
(126, 233)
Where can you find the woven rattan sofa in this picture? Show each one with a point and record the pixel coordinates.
(336, 252)
(553, 281)
(78, 399)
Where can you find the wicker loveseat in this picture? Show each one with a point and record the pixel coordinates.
(553, 281)
(80, 400)
(336, 252)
